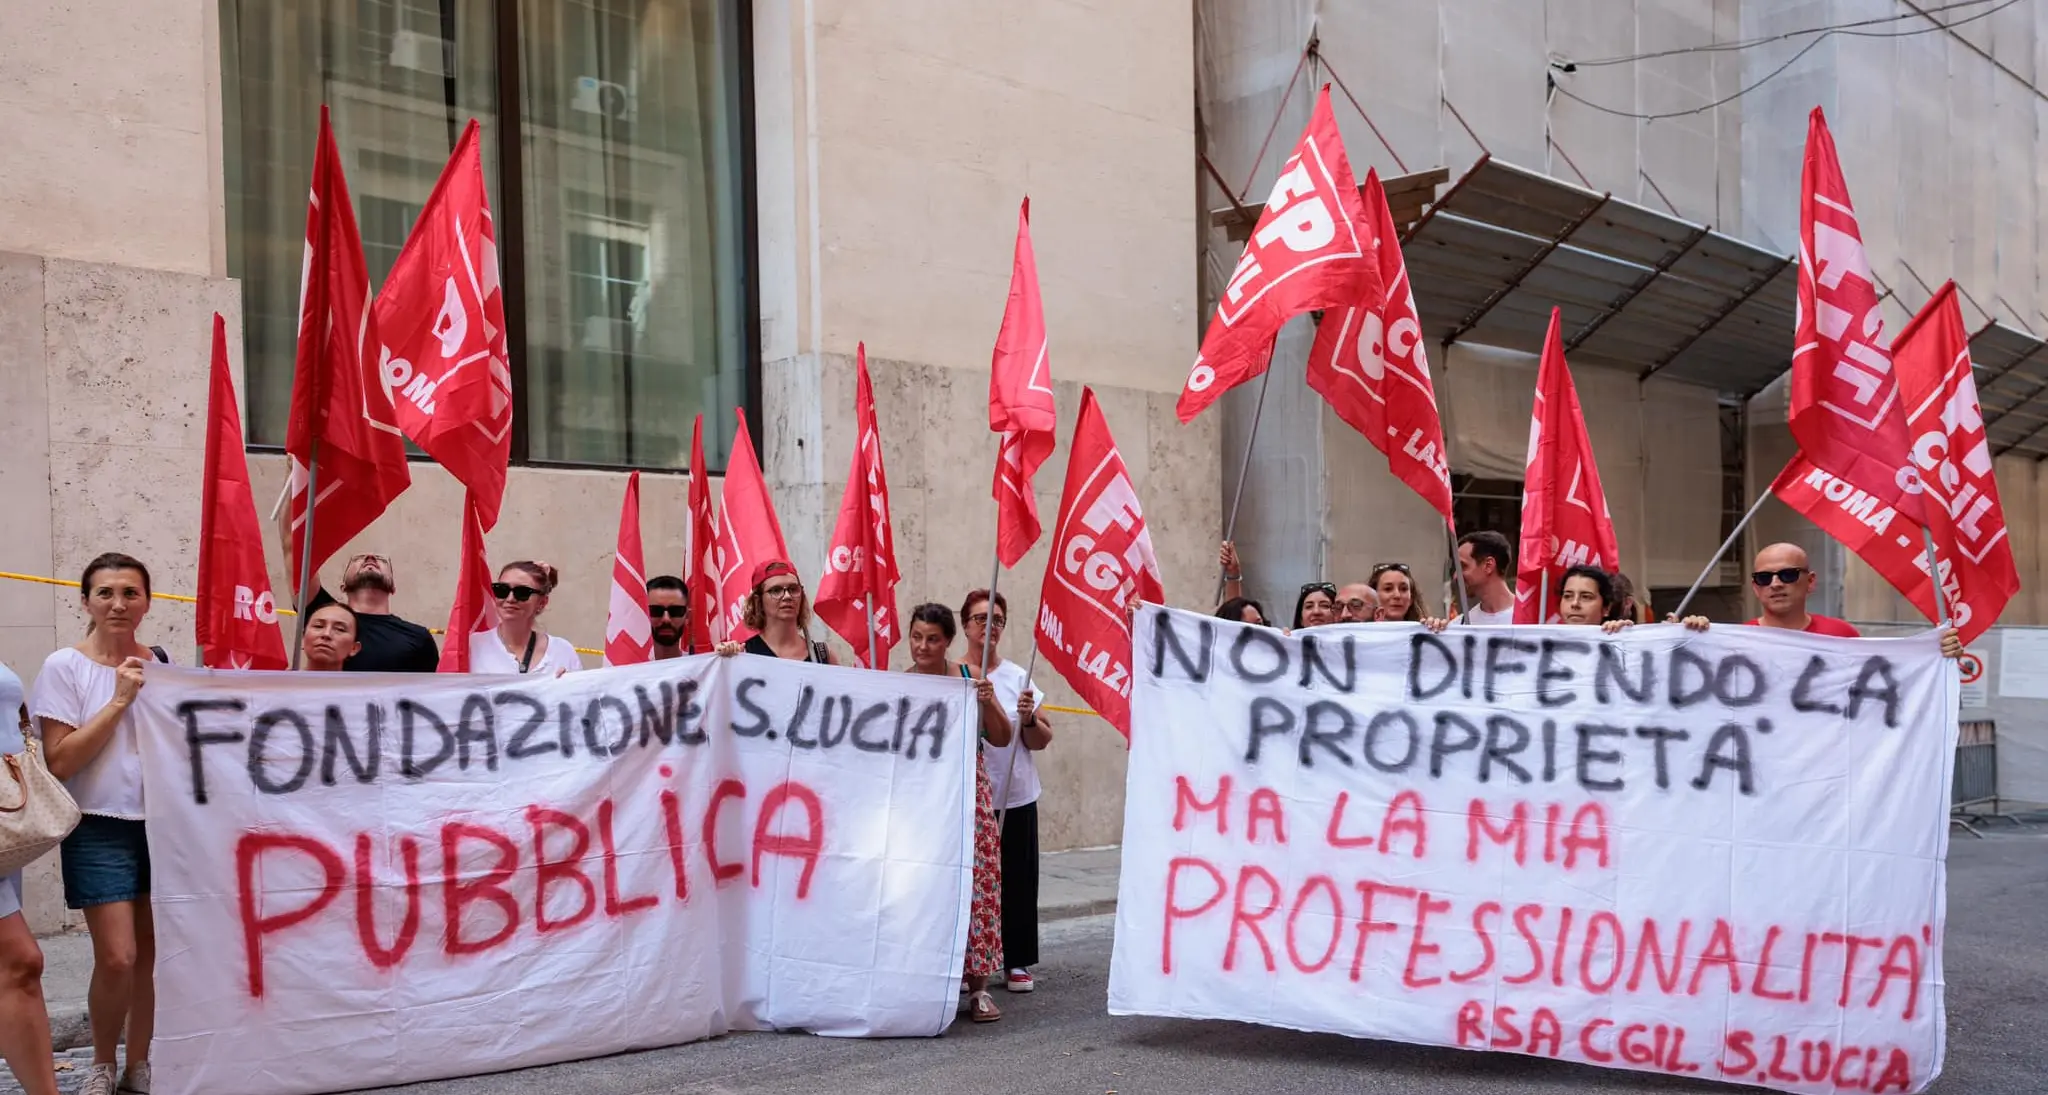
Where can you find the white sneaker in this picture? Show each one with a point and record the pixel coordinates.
(100, 1081)
(137, 1080)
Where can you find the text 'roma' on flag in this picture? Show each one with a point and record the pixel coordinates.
(475, 609)
(628, 632)
(1312, 248)
(1370, 365)
(860, 561)
(1020, 402)
(700, 573)
(1565, 522)
(1845, 409)
(748, 532)
(340, 411)
(1101, 564)
(236, 623)
(1950, 455)
(439, 331)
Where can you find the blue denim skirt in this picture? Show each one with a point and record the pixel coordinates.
(105, 859)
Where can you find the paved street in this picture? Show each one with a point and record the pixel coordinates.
(1060, 1040)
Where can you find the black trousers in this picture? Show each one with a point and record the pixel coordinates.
(1020, 887)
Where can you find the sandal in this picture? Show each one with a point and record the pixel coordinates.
(981, 1007)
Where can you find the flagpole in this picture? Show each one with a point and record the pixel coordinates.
(1934, 572)
(306, 548)
(1244, 468)
(873, 652)
(1010, 777)
(1719, 552)
(1543, 595)
(1457, 574)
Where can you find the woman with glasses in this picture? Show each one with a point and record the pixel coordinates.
(1316, 606)
(1399, 599)
(519, 645)
(779, 612)
(1015, 776)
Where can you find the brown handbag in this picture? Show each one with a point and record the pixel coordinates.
(36, 813)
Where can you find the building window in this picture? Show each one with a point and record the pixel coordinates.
(621, 221)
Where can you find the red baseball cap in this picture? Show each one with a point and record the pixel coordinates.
(770, 569)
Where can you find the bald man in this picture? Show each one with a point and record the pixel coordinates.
(1357, 604)
(1783, 580)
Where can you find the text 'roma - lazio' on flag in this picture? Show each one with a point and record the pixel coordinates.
(628, 632)
(1565, 522)
(859, 587)
(748, 532)
(1020, 403)
(236, 623)
(1312, 248)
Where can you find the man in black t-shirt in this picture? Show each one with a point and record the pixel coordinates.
(389, 644)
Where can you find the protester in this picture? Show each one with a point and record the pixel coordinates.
(668, 615)
(1015, 777)
(1783, 580)
(1315, 606)
(24, 1018)
(519, 644)
(1484, 562)
(1588, 596)
(1399, 599)
(1242, 609)
(931, 636)
(389, 644)
(1357, 604)
(330, 638)
(81, 703)
(1630, 607)
(779, 611)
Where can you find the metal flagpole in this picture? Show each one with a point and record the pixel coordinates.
(1011, 776)
(306, 548)
(1457, 574)
(1934, 572)
(1244, 467)
(1679, 612)
(873, 653)
(1543, 595)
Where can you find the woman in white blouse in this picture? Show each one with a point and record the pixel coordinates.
(81, 702)
(519, 645)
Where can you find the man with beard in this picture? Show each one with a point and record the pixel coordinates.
(668, 613)
(388, 644)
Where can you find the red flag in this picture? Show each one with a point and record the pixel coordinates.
(237, 620)
(337, 403)
(701, 572)
(1101, 560)
(1020, 405)
(628, 633)
(1312, 249)
(1369, 363)
(860, 563)
(439, 329)
(1952, 458)
(1565, 521)
(1845, 410)
(475, 609)
(748, 533)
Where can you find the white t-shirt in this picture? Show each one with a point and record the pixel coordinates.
(1010, 682)
(487, 654)
(1480, 616)
(71, 689)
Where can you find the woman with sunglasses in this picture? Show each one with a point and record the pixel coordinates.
(1316, 606)
(1399, 599)
(778, 611)
(519, 645)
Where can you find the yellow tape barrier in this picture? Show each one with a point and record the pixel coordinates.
(185, 599)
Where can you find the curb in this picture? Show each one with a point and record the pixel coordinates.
(1076, 909)
(69, 1029)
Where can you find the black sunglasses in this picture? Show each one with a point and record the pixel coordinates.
(1319, 587)
(673, 612)
(1787, 575)
(522, 594)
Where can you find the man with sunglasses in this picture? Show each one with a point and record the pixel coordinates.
(1783, 581)
(389, 644)
(668, 614)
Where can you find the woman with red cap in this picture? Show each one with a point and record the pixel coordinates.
(779, 612)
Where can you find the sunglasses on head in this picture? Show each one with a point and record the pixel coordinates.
(1381, 568)
(673, 612)
(1787, 575)
(522, 594)
(1320, 587)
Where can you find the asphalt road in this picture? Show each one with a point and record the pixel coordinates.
(1061, 1040)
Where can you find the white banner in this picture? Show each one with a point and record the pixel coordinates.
(1718, 855)
(366, 880)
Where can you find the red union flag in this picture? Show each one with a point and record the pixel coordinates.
(439, 329)
(1951, 456)
(701, 572)
(1311, 249)
(474, 609)
(338, 407)
(748, 533)
(236, 624)
(1845, 409)
(1020, 404)
(1101, 561)
(860, 562)
(628, 633)
(1565, 522)
(1369, 363)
